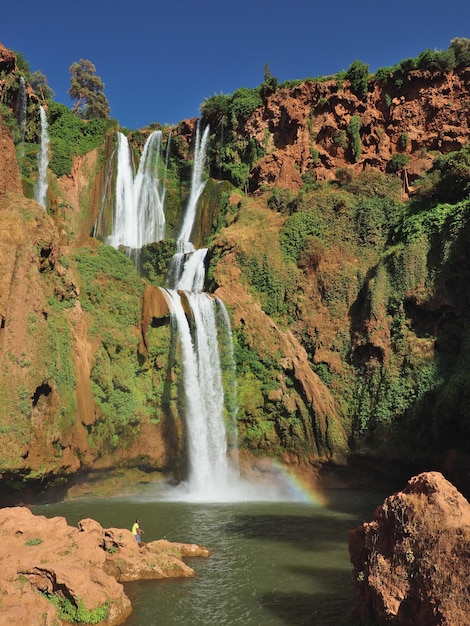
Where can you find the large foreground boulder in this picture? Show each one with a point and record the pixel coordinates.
(411, 562)
(51, 571)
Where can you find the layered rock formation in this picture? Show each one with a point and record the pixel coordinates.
(307, 126)
(48, 565)
(411, 562)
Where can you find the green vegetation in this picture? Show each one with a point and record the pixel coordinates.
(397, 162)
(77, 613)
(126, 391)
(155, 259)
(358, 75)
(70, 135)
(34, 541)
(273, 285)
(88, 90)
(456, 56)
(355, 137)
(297, 229)
(231, 154)
(395, 397)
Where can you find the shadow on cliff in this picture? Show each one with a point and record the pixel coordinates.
(433, 430)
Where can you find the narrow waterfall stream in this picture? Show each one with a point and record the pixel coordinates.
(40, 190)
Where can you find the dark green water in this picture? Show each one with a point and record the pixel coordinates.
(272, 564)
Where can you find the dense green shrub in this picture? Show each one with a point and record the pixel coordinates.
(269, 86)
(10, 121)
(280, 200)
(355, 137)
(374, 218)
(155, 259)
(216, 107)
(297, 228)
(275, 285)
(243, 102)
(371, 183)
(454, 179)
(437, 61)
(397, 162)
(358, 75)
(461, 49)
(383, 396)
(442, 222)
(236, 172)
(384, 74)
(71, 136)
(340, 139)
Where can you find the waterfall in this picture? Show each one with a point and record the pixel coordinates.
(197, 184)
(187, 271)
(139, 217)
(199, 321)
(212, 474)
(43, 161)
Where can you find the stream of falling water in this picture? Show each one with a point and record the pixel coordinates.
(43, 161)
(199, 320)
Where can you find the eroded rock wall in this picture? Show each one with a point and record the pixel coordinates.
(411, 562)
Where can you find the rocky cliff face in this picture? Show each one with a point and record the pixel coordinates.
(305, 129)
(411, 561)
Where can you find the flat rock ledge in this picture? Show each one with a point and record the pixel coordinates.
(411, 562)
(49, 569)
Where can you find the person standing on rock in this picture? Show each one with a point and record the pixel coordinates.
(137, 530)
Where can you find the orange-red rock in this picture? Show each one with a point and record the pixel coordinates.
(411, 562)
(42, 556)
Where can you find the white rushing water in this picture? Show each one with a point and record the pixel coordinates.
(40, 190)
(199, 320)
(197, 184)
(202, 329)
(139, 217)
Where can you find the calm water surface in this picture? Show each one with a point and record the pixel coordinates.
(271, 564)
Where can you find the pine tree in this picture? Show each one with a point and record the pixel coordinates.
(88, 89)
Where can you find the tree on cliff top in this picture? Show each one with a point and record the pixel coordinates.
(88, 89)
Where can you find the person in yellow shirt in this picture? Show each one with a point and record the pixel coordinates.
(137, 530)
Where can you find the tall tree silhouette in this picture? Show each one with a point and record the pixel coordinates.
(88, 90)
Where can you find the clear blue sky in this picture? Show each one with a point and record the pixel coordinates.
(160, 60)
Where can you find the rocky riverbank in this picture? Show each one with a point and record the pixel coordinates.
(55, 573)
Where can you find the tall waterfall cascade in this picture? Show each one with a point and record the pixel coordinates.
(212, 473)
(40, 190)
(139, 217)
(201, 325)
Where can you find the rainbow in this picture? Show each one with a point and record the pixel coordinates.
(293, 487)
